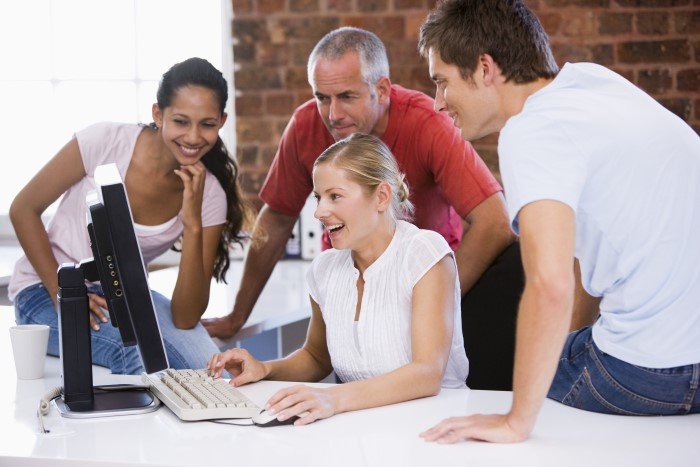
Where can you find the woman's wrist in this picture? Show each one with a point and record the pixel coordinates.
(267, 369)
(338, 396)
(192, 229)
(52, 290)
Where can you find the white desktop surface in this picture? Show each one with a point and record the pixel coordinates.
(284, 300)
(386, 436)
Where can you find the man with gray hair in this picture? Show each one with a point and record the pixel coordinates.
(348, 71)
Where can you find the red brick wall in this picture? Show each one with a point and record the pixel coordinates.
(654, 43)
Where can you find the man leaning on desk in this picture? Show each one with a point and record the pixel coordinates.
(594, 169)
(348, 71)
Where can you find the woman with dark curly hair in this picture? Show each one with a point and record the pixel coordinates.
(182, 188)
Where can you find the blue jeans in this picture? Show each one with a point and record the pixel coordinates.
(185, 348)
(592, 380)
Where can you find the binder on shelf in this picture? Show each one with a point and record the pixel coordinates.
(311, 230)
(293, 248)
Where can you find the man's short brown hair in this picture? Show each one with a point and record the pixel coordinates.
(462, 30)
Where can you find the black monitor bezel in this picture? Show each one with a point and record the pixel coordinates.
(121, 269)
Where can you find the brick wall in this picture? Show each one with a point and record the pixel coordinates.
(654, 43)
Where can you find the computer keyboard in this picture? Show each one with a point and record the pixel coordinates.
(193, 395)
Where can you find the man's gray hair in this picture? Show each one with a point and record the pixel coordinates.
(374, 63)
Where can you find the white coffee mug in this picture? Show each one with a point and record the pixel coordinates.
(29, 343)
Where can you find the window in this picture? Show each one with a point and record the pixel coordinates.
(70, 63)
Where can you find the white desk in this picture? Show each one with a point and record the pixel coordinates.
(387, 436)
(284, 300)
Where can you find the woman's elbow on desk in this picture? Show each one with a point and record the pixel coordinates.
(184, 323)
(430, 390)
(425, 379)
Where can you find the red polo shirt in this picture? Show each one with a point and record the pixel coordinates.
(445, 175)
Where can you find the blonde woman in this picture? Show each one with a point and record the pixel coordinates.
(385, 300)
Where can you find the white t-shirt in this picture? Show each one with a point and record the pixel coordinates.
(380, 341)
(99, 144)
(630, 170)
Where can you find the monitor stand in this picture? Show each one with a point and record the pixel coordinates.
(80, 399)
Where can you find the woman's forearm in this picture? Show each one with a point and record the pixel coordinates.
(34, 240)
(411, 381)
(191, 294)
(63, 171)
(300, 366)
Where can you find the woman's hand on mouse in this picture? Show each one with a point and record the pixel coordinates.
(240, 364)
(192, 177)
(313, 403)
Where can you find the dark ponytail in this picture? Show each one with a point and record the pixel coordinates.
(199, 72)
(224, 168)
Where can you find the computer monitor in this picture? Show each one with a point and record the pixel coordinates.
(119, 266)
(121, 269)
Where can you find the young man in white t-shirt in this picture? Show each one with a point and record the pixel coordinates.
(596, 174)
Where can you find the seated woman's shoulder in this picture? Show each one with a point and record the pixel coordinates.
(329, 257)
(415, 236)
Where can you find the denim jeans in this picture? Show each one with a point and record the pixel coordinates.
(185, 348)
(592, 380)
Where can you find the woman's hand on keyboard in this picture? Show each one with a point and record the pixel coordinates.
(309, 404)
(240, 363)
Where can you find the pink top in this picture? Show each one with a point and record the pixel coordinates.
(99, 144)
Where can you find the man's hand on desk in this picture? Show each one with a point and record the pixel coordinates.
(224, 327)
(493, 428)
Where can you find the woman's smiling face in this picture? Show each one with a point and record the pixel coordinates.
(344, 207)
(190, 124)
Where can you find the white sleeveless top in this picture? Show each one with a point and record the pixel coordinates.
(380, 341)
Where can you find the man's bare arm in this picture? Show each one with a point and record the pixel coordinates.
(547, 232)
(488, 235)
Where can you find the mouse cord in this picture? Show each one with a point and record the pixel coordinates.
(234, 421)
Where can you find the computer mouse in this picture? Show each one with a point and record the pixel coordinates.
(264, 419)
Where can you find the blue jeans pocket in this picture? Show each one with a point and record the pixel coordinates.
(33, 304)
(609, 385)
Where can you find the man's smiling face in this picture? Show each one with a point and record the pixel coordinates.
(467, 102)
(346, 103)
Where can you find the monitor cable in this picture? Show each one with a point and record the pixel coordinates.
(45, 404)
